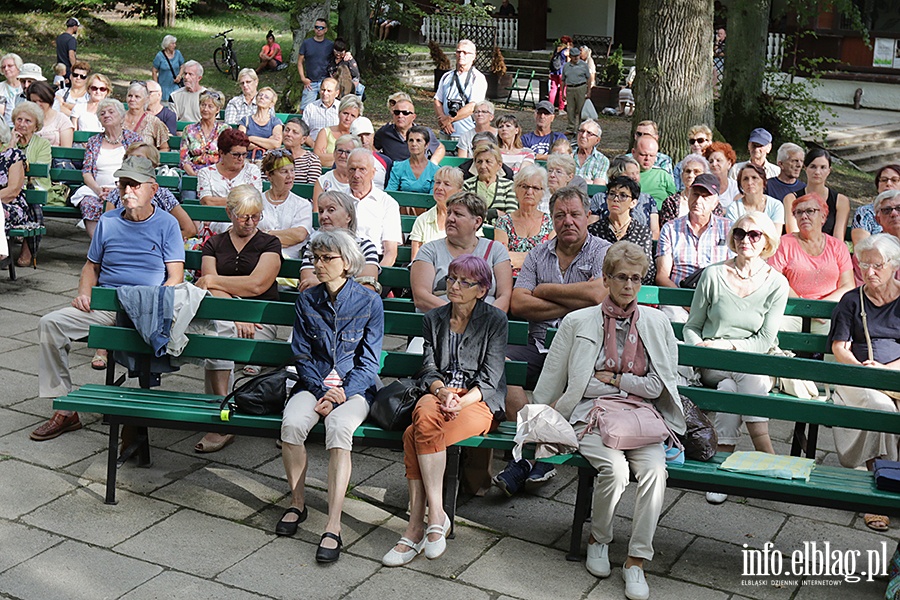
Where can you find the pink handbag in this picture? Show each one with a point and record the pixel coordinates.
(626, 424)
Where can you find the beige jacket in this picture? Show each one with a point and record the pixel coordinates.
(574, 352)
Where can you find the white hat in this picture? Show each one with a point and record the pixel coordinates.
(361, 125)
(31, 71)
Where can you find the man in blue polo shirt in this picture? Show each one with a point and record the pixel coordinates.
(312, 64)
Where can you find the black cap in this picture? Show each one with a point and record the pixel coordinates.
(73, 22)
(708, 182)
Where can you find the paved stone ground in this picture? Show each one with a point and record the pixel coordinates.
(195, 526)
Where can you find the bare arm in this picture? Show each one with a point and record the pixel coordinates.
(267, 143)
(174, 273)
(527, 306)
(390, 253)
(421, 280)
(242, 286)
(15, 183)
(439, 154)
(858, 235)
(292, 236)
(654, 225)
(790, 223)
(504, 279)
(90, 276)
(188, 228)
(317, 189)
(300, 59)
(573, 295)
(841, 351)
(841, 217)
(72, 59)
(414, 249)
(664, 271)
(327, 158)
(154, 72)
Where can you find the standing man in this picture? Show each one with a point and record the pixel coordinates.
(391, 138)
(377, 214)
(66, 45)
(790, 161)
(312, 64)
(543, 137)
(759, 145)
(458, 91)
(575, 76)
(323, 112)
(186, 100)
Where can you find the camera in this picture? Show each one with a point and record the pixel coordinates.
(453, 107)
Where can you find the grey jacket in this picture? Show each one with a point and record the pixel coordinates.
(482, 352)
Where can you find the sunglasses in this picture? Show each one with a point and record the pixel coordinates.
(319, 27)
(753, 235)
(95, 88)
(79, 76)
(405, 113)
(141, 83)
(887, 210)
(212, 94)
(693, 141)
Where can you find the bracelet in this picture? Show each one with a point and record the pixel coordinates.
(438, 391)
(617, 380)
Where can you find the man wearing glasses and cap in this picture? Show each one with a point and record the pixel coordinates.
(66, 45)
(312, 63)
(759, 145)
(137, 244)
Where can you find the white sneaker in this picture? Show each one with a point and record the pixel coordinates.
(636, 587)
(597, 562)
(397, 559)
(716, 497)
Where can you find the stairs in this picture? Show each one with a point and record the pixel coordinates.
(869, 148)
(417, 69)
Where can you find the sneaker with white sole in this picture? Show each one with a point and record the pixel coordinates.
(512, 478)
(636, 587)
(540, 474)
(597, 562)
(716, 497)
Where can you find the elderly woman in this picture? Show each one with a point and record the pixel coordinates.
(86, 117)
(617, 351)
(864, 222)
(527, 226)
(337, 210)
(428, 273)
(307, 167)
(168, 66)
(699, 139)
(199, 141)
(645, 212)
(818, 167)
(12, 87)
(676, 205)
(140, 121)
(721, 158)
(751, 181)
(870, 340)
(244, 104)
(263, 128)
(65, 99)
(590, 163)
(242, 262)
(431, 224)
(482, 114)
(103, 155)
(16, 211)
(286, 215)
(622, 194)
(232, 169)
(337, 380)
(415, 174)
(738, 305)
(155, 107)
(338, 178)
(28, 119)
(464, 370)
(497, 192)
(57, 128)
(509, 138)
(350, 109)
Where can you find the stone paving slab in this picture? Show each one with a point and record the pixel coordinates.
(18, 387)
(20, 543)
(172, 585)
(56, 453)
(166, 468)
(27, 486)
(505, 515)
(405, 584)
(11, 420)
(732, 521)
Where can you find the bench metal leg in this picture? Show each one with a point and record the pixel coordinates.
(143, 440)
(798, 442)
(451, 487)
(111, 466)
(812, 440)
(582, 510)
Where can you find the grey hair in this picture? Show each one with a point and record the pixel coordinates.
(139, 86)
(362, 152)
(348, 138)
(594, 123)
(248, 72)
(565, 161)
(344, 243)
(694, 158)
(529, 171)
(15, 57)
(120, 108)
(194, 63)
(885, 195)
(32, 109)
(487, 103)
(785, 151)
(570, 191)
(618, 163)
(244, 199)
(345, 201)
(168, 39)
(469, 43)
(351, 101)
(452, 173)
(887, 245)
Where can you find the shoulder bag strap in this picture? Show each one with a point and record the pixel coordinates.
(488, 251)
(862, 313)
(170, 66)
(459, 87)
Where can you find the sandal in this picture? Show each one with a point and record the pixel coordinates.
(877, 522)
(99, 362)
(205, 446)
(252, 370)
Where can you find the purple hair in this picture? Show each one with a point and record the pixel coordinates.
(472, 267)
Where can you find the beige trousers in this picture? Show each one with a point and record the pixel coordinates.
(56, 332)
(300, 417)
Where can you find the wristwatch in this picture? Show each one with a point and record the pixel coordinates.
(369, 280)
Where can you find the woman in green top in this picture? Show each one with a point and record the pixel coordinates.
(738, 305)
(497, 192)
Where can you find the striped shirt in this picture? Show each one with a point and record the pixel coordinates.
(687, 251)
(307, 168)
(365, 246)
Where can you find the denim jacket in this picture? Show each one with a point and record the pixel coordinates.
(344, 335)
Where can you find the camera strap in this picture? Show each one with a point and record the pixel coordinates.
(462, 93)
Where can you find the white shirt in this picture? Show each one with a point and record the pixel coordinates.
(293, 212)
(475, 91)
(187, 104)
(770, 169)
(378, 219)
(774, 210)
(87, 121)
(328, 182)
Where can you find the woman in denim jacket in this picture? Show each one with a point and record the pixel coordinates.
(337, 337)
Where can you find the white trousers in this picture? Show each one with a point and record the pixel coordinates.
(728, 425)
(300, 417)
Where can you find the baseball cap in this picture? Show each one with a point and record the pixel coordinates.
(361, 125)
(31, 71)
(137, 168)
(73, 22)
(760, 136)
(545, 106)
(708, 182)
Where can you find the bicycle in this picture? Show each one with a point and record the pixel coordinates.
(224, 57)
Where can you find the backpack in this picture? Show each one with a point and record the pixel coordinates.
(557, 62)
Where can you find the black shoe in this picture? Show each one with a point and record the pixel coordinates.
(329, 555)
(290, 527)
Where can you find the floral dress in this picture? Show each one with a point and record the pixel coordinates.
(17, 213)
(198, 150)
(524, 244)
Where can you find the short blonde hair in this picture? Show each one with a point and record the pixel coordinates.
(628, 253)
(103, 78)
(33, 110)
(351, 101)
(268, 89)
(244, 199)
(765, 224)
(451, 174)
(248, 72)
(702, 128)
(563, 161)
(145, 149)
(492, 149)
(214, 96)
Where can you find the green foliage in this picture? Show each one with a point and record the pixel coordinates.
(383, 58)
(614, 71)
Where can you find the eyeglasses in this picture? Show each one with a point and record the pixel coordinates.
(254, 217)
(405, 113)
(464, 52)
(212, 94)
(124, 185)
(894, 180)
(326, 258)
(887, 210)
(80, 75)
(482, 112)
(866, 266)
(342, 152)
(587, 132)
(638, 134)
(319, 27)
(531, 188)
(557, 172)
(237, 155)
(809, 212)
(693, 141)
(623, 279)
(753, 235)
(136, 82)
(95, 88)
(279, 152)
(466, 285)
(614, 197)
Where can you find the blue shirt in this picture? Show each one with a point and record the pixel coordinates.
(317, 56)
(166, 76)
(541, 144)
(135, 252)
(404, 180)
(778, 189)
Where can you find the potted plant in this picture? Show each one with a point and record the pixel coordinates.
(441, 62)
(497, 79)
(609, 80)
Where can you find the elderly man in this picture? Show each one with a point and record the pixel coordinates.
(543, 137)
(312, 62)
(790, 161)
(759, 145)
(558, 276)
(654, 180)
(391, 138)
(377, 214)
(323, 112)
(576, 76)
(67, 44)
(692, 242)
(458, 91)
(590, 163)
(186, 100)
(158, 109)
(137, 244)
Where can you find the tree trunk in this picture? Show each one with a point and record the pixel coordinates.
(303, 17)
(745, 66)
(165, 15)
(353, 25)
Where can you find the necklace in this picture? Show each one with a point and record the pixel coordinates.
(116, 141)
(747, 277)
(619, 231)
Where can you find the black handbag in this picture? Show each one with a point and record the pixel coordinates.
(690, 282)
(263, 394)
(394, 403)
(699, 439)
(887, 475)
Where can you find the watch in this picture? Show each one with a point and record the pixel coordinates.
(369, 280)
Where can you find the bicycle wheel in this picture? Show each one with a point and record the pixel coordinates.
(233, 65)
(220, 59)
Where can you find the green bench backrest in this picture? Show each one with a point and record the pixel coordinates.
(166, 158)
(37, 170)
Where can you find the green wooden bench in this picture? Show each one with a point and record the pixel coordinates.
(449, 146)
(34, 197)
(165, 158)
(81, 137)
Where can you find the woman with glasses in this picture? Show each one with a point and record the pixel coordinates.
(263, 128)
(350, 109)
(464, 371)
(415, 174)
(590, 163)
(232, 169)
(616, 351)
(168, 67)
(699, 139)
(337, 339)
(66, 98)
(509, 137)
(496, 191)
(738, 305)
(286, 215)
(864, 222)
(141, 121)
(200, 141)
(483, 114)
(818, 167)
(617, 224)
(338, 178)
(527, 226)
(85, 116)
